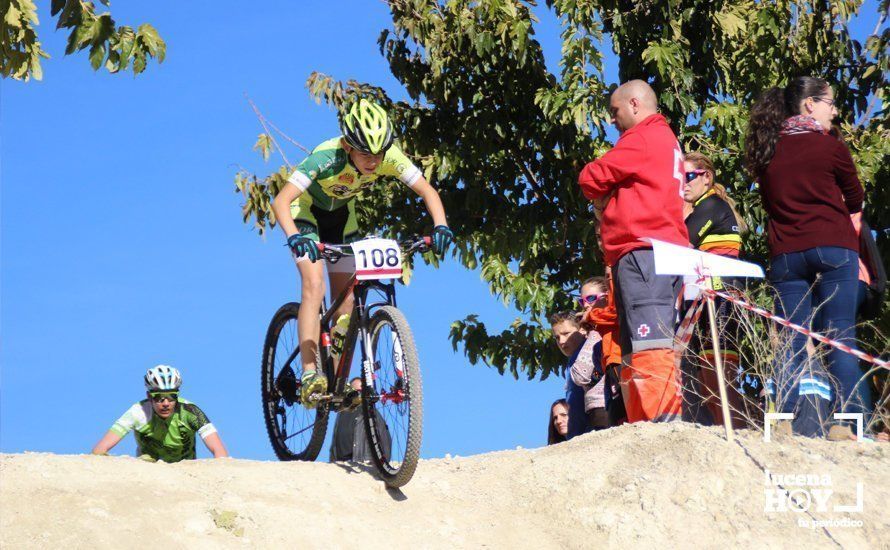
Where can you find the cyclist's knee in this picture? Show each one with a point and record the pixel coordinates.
(313, 289)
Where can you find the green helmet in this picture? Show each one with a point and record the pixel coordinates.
(367, 127)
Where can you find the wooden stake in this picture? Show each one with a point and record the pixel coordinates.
(724, 402)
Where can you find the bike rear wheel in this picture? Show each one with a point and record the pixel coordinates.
(392, 397)
(296, 433)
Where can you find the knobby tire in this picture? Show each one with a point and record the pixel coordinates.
(405, 444)
(278, 348)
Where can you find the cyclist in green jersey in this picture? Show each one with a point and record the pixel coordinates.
(164, 424)
(317, 205)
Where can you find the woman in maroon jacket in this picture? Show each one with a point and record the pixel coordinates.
(809, 187)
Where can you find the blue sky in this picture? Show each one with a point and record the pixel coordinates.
(123, 247)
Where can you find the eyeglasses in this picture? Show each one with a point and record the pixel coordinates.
(161, 397)
(830, 102)
(694, 174)
(591, 299)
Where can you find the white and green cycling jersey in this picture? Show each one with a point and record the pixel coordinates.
(329, 182)
(328, 177)
(171, 439)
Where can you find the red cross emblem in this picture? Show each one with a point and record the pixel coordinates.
(643, 331)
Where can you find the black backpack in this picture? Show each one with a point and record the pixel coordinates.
(877, 288)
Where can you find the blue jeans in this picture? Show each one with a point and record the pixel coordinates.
(817, 288)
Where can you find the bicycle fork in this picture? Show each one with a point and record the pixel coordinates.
(367, 363)
(397, 392)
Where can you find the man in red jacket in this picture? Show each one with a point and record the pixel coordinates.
(637, 191)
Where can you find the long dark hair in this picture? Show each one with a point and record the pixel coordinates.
(554, 436)
(767, 115)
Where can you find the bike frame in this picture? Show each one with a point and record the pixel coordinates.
(359, 319)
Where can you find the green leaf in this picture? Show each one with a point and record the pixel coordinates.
(127, 43)
(102, 29)
(13, 16)
(149, 37)
(56, 6)
(138, 61)
(113, 63)
(97, 56)
(71, 14)
(264, 145)
(731, 23)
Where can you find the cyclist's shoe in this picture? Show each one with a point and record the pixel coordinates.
(312, 383)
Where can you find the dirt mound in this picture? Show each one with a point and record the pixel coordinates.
(666, 485)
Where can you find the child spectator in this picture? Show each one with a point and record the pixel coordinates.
(603, 318)
(583, 372)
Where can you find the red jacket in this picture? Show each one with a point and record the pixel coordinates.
(645, 171)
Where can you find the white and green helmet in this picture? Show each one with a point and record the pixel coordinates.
(162, 378)
(367, 127)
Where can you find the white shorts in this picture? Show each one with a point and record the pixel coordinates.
(346, 264)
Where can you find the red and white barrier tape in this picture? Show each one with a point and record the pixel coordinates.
(785, 323)
(687, 327)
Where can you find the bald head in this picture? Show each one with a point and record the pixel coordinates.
(631, 103)
(639, 90)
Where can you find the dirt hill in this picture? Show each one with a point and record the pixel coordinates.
(664, 486)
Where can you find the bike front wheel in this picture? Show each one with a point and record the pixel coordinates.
(296, 433)
(392, 398)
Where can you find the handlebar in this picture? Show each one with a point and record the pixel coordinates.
(333, 252)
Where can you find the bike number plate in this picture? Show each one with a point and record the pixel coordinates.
(377, 259)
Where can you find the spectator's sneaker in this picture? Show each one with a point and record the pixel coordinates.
(783, 429)
(840, 432)
(312, 384)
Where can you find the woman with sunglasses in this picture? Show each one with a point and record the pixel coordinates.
(164, 424)
(714, 226)
(809, 187)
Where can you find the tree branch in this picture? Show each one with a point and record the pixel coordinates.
(871, 104)
(267, 124)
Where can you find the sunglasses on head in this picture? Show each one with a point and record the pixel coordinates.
(591, 299)
(694, 174)
(161, 397)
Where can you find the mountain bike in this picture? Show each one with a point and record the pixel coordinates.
(391, 397)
